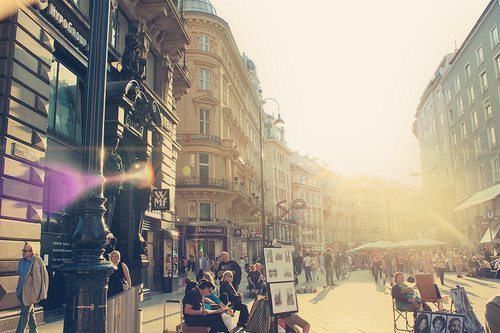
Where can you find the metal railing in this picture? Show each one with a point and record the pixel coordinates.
(123, 314)
(199, 137)
(201, 182)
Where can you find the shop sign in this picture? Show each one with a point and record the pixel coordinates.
(160, 199)
(251, 220)
(237, 232)
(298, 204)
(482, 221)
(205, 230)
(27, 153)
(63, 22)
(56, 250)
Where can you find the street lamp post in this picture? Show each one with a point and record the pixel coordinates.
(261, 144)
(87, 273)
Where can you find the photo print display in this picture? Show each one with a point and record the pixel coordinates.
(279, 265)
(283, 298)
(436, 322)
(422, 322)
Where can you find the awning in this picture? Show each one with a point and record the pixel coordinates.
(421, 242)
(479, 197)
(488, 235)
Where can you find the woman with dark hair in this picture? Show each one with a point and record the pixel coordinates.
(422, 324)
(438, 324)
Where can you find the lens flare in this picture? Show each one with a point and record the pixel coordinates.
(140, 175)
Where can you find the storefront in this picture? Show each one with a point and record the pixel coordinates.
(211, 240)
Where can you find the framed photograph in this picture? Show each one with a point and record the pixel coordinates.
(438, 322)
(455, 324)
(278, 264)
(464, 308)
(283, 298)
(422, 322)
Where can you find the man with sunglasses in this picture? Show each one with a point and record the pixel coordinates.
(31, 288)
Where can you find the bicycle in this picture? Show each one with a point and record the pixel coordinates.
(345, 271)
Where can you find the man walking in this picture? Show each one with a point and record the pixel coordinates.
(307, 263)
(329, 267)
(31, 288)
(201, 265)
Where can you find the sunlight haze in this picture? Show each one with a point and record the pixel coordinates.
(349, 74)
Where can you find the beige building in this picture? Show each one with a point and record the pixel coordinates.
(277, 183)
(218, 170)
(307, 185)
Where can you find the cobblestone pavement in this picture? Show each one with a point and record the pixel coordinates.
(353, 306)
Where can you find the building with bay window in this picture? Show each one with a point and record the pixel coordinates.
(218, 171)
(43, 70)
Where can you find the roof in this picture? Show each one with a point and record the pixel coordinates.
(204, 6)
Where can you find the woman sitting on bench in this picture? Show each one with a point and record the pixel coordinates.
(236, 299)
(405, 297)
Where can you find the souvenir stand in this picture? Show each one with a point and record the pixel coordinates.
(280, 279)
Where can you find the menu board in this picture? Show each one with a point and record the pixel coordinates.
(279, 264)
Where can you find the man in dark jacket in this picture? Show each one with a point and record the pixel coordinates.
(329, 267)
(229, 265)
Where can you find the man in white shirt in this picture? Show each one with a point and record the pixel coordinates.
(306, 263)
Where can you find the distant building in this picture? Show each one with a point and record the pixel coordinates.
(457, 125)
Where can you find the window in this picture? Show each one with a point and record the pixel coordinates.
(450, 117)
(475, 122)
(444, 145)
(497, 64)
(204, 167)
(479, 55)
(471, 95)
(460, 103)
(119, 25)
(441, 118)
(65, 103)
(448, 96)
(204, 46)
(495, 168)
(204, 122)
(480, 176)
(192, 166)
(492, 139)
(484, 81)
(463, 130)
(205, 211)
(466, 154)
(150, 70)
(494, 36)
(204, 79)
(457, 84)
(433, 126)
(477, 146)
(467, 72)
(453, 139)
(487, 109)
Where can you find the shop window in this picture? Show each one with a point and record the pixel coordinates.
(57, 207)
(65, 103)
(150, 70)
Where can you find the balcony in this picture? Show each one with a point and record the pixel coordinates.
(202, 183)
(185, 138)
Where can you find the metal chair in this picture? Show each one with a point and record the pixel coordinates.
(401, 321)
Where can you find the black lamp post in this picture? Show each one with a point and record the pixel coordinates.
(261, 144)
(87, 273)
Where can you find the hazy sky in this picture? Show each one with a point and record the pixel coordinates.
(349, 74)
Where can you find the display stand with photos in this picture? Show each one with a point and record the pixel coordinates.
(280, 279)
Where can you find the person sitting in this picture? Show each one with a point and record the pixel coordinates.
(484, 268)
(213, 301)
(255, 279)
(236, 299)
(496, 268)
(293, 321)
(405, 297)
(195, 313)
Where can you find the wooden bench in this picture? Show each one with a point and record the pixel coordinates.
(189, 329)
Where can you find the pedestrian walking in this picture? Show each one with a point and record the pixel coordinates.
(314, 268)
(440, 261)
(306, 263)
(32, 287)
(459, 262)
(329, 267)
(322, 263)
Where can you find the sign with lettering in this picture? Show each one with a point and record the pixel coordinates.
(63, 22)
(237, 232)
(160, 199)
(205, 230)
(56, 248)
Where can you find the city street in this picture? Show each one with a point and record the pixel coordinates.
(360, 305)
(355, 305)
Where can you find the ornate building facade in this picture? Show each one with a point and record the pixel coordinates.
(218, 167)
(42, 79)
